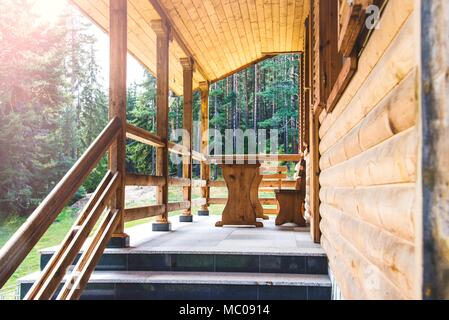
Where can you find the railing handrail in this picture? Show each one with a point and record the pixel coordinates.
(25, 239)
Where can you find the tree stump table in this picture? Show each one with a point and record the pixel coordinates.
(291, 204)
(243, 204)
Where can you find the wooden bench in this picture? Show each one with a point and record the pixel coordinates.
(291, 202)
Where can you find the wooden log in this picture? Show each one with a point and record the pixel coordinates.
(144, 180)
(391, 207)
(394, 18)
(358, 279)
(178, 149)
(391, 255)
(396, 64)
(143, 136)
(140, 213)
(314, 196)
(187, 66)
(118, 36)
(134, 214)
(179, 182)
(434, 146)
(162, 34)
(205, 167)
(178, 206)
(19, 246)
(394, 161)
(396, 113)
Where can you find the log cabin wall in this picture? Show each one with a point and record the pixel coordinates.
(369, 147)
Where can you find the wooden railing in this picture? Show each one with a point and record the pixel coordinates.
(26, 238)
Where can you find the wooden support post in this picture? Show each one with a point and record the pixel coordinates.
(187, 65)
(205, 166)
(315, 177)
(162, 31)
(117, 108)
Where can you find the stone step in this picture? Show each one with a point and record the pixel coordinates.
(172, 261)
(111, 285)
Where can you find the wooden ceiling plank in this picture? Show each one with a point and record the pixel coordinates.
(254, 25)
(208, 34)
(195, 51)
(276, 25)
(240, 27)
(178, 37)
(194, 32)
(269, 26)
(290, 24)
(248, 28)
(298, 19)
(226, 4)
(262, 26)
(215, 22)
(227, 33)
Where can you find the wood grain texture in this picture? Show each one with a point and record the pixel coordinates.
(19, 246)
(240, 180)
(220, 35)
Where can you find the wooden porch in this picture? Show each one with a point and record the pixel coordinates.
(364, 108)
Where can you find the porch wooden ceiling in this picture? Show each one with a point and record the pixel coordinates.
(222, 36)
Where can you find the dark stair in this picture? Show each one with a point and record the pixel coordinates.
(127, 275)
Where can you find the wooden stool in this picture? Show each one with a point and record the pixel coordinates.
(243, 204)
(291, 204)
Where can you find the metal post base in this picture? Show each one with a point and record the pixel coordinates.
(186, 218)
(162, 227)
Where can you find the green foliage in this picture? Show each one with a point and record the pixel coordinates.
(53, 105)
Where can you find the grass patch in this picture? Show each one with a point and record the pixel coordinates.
(52, 237)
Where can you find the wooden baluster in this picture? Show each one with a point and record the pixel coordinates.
(187, 65)
(314, 178)
(162, 31)
(205, 166)
(117, 108)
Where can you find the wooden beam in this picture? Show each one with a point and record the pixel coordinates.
(143, 136)
(177, 36)
(135, 214)
(315, 177)
(205, 167)
(347, 72)
(155, 181)
(144, 180)
(118, 11)
(257, 157)
(187, 66)
(162, 31)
